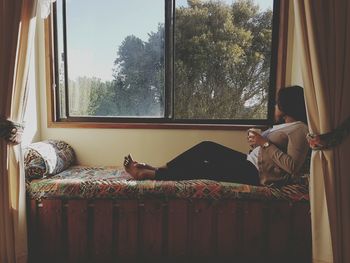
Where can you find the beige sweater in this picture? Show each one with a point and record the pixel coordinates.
(281, 162)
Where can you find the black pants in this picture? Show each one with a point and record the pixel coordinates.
(209, 160)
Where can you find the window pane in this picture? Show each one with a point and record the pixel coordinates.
(60, 61)
(115, 58)
(222, 59)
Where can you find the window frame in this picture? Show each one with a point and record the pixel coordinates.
(278, 52)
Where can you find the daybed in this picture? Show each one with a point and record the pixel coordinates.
(98, 214)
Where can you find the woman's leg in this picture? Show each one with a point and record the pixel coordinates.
(204, 152)
(209, 160)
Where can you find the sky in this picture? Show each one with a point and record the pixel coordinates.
(96, 29)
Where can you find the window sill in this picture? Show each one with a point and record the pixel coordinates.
(108, 125)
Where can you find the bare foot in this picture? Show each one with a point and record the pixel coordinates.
(129, 160)
(137, 171)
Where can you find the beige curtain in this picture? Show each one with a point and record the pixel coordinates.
(16, 39)
(282, 49)
(323, 31)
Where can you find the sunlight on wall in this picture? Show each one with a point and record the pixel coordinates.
(32, 117)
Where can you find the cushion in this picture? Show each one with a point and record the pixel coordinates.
(46, 158)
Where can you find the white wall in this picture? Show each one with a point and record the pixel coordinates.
(109, 146)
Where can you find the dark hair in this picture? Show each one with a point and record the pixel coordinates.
(291, 101)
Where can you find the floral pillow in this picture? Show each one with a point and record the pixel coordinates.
(50, 157)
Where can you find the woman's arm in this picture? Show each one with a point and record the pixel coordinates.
(297, 150)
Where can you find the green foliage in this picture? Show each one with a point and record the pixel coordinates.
(222, 60)
(222, 66)
(139, 76)
(86, 96)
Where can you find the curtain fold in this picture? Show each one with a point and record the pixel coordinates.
(323, 29)
(282, 48)
(17, 37)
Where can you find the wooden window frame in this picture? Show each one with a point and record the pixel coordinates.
(277, 79)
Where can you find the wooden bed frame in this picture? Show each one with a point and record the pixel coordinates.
(157, 230)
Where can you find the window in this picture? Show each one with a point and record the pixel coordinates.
(165, 61)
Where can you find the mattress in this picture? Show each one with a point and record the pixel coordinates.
(83, 182)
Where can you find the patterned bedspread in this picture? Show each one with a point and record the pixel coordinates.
(81, 182)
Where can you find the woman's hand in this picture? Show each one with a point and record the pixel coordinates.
(255, 139)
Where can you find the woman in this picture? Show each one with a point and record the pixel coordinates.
(277, 158)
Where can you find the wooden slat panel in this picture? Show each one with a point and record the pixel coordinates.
(279, 227)
(177, 228)
(34, 235)
(254, 230)
(127, 227)
(152, 227)
(202, 229)
(229, 226)
(77, 231)
(50, 224)
(102, 245)
(301, 231)
(140, 232)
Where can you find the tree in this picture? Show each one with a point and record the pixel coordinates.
(222, 60)
(222, 66)
(139, 71)
(87, 96)
(102, 99)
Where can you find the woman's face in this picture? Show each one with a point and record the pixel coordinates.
(278, 114)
